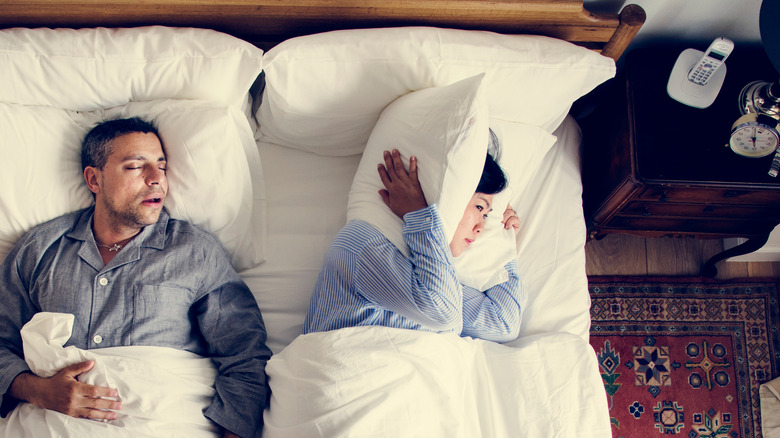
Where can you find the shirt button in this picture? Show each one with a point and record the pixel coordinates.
(103, 281)
(98, 339)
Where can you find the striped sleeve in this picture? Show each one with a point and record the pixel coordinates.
(422, 288)
(495, 314)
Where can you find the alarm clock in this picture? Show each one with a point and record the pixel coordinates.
(754, 135)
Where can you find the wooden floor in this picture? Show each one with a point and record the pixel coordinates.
(622, 254)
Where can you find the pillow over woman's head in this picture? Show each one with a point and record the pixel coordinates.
(214, 169)
(446, 128)
(324, 92)
(520, 151)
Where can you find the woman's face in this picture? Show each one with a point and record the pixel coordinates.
(472, 223)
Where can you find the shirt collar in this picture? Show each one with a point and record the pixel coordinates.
(152, 236)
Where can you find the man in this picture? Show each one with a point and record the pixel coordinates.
(131, 275)
(366, 280)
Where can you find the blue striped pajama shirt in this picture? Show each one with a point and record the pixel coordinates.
(366, 280)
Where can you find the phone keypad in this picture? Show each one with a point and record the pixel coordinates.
(702, 72)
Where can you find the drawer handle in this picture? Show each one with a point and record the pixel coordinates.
(731, 194)
(664, 197)
(646, 212)
(709, 209)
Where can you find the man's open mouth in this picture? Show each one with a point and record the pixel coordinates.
(154, 200)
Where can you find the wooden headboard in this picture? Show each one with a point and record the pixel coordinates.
(266, 22)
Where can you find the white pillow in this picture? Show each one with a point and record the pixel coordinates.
(447, 129)
(521, 150)
(324, 92)
(214, 173)
(88, 69)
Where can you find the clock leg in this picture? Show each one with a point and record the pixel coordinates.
(754, 243)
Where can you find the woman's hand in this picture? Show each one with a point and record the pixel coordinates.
(510, 219)
(402, 192)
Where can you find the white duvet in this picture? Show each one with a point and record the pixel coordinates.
(164, 391)
(384, 382)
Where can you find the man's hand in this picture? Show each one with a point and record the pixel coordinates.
(510, 219)
(63, 393)
(229, 434)
(402, 192)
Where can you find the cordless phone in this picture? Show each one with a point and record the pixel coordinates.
(711, 59)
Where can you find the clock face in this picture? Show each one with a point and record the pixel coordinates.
(753, 139)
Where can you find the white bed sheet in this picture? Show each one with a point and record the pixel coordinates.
(386, 382)
(375, 381)
(551, 242)
(306, 205)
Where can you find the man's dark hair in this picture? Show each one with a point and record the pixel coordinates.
(97, 146)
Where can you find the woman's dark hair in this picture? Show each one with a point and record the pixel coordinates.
(97, 145)
(493, 179)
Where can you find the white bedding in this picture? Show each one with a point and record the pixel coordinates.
(163, 391)
(388, 382)
(545, 383)
(307, 202)
(385, 382)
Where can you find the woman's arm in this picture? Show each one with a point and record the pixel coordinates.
(495, 314)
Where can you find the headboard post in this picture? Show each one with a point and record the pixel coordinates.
(632, 17)
(268, 22)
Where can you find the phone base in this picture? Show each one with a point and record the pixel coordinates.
(685, 91)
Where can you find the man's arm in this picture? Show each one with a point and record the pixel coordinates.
(64, 393)
(233, 330)
(16, 310)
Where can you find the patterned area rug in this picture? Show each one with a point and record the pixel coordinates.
(684, 356)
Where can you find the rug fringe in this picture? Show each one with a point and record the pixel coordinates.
(690, 280)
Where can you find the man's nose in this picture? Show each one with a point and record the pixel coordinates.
(154, 176)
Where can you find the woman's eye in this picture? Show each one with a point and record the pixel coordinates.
(480, 208)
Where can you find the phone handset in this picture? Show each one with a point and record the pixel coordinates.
(711, 59)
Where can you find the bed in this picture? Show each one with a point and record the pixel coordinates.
(272, 106)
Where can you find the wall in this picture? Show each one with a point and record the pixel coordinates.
(690, 20)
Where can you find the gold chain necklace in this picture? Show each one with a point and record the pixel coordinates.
(115, 248)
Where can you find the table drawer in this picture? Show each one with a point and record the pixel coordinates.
(710, 195)
(703, 211)
(691, 226)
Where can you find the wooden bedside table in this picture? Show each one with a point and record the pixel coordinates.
(655, 167)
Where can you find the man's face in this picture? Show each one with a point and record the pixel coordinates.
(132, 185)
(472, 223)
